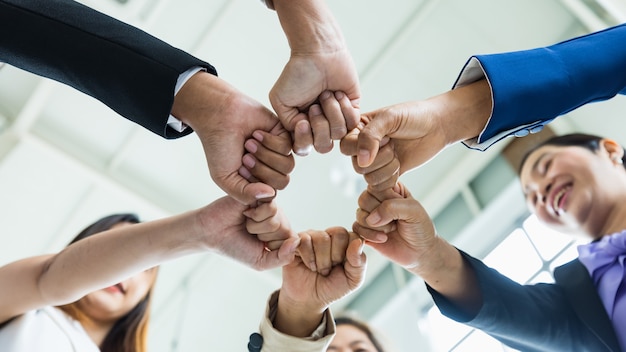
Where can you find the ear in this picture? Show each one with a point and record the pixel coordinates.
(614, 149)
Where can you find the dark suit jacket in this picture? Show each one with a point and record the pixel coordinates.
(125, 68)
(565, 316)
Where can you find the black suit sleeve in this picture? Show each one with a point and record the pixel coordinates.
(127, 69)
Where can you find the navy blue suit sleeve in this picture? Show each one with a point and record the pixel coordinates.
(127, 69)
(526, 317)
(530, 88)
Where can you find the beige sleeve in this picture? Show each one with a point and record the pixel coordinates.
(274, 340)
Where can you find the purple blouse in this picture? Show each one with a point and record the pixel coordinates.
(604, 259)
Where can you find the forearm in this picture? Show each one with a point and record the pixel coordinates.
(445, 270)
(309, 25)
(110, 257)
(463, 112)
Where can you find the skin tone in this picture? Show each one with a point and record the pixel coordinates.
(320, 69)
(350, 339)
(108, 258)
(319, 65)
(575, 190)
(330, 265)
(571, 189)
(398, 227)
(419, 130)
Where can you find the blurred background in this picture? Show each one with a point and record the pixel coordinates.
(67, 160)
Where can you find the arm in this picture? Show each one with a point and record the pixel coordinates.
(320, 69)
(521, 92)
(127, 69)
(136, 76)
(110, 257)
(548, 82)
(399, 228)
(526, 317)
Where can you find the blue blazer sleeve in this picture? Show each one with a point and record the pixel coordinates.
(530, 88)
(127, 69)
(525, 317)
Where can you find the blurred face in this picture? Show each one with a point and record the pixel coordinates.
(111, 303)
(350, 339)
(573, 189)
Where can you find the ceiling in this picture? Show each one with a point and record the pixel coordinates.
(66, 159)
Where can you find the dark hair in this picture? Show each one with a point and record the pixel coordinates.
(363, 327)
(587, 141)
(129, 333)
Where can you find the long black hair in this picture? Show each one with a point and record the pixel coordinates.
(587, 141)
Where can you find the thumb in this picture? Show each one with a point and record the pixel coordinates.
(244, 191)
(370, 137)
(404, 209)
(356, 263)
(280, 257)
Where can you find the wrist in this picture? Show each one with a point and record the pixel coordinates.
(309, 26)
(466, 111)
(296, 318)
(200, 99)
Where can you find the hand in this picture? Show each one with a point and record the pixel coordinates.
(223, 118)
(268, 158)
(228, 231)
(306, 294)
(384, 171)
(396, 225)
(320, 70)
(420, 130)
(269, 224)
(413, 244)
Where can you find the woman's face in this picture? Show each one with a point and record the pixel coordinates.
(350, 339)
(573, 189)
(111, 303)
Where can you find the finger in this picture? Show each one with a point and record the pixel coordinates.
(262, 211)
(244, 191)
(361, 218)
(322, 248)
(267, 166)
(273, 245)
(349, 143)
(288, 116)
(303, 138)
(405, 209)
(370, 139)
(386, 154)
(349, 109)
(277, 160)
(369, 234)
(334, 114)
(305, 251)
(321, 130)
(367, 201)
(340, 239)
(278, 258)
(384, 178)
(356, 263)
(245, 173)
(277, 140)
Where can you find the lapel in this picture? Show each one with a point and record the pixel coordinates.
(579, 289)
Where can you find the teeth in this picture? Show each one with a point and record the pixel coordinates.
(557, 199)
